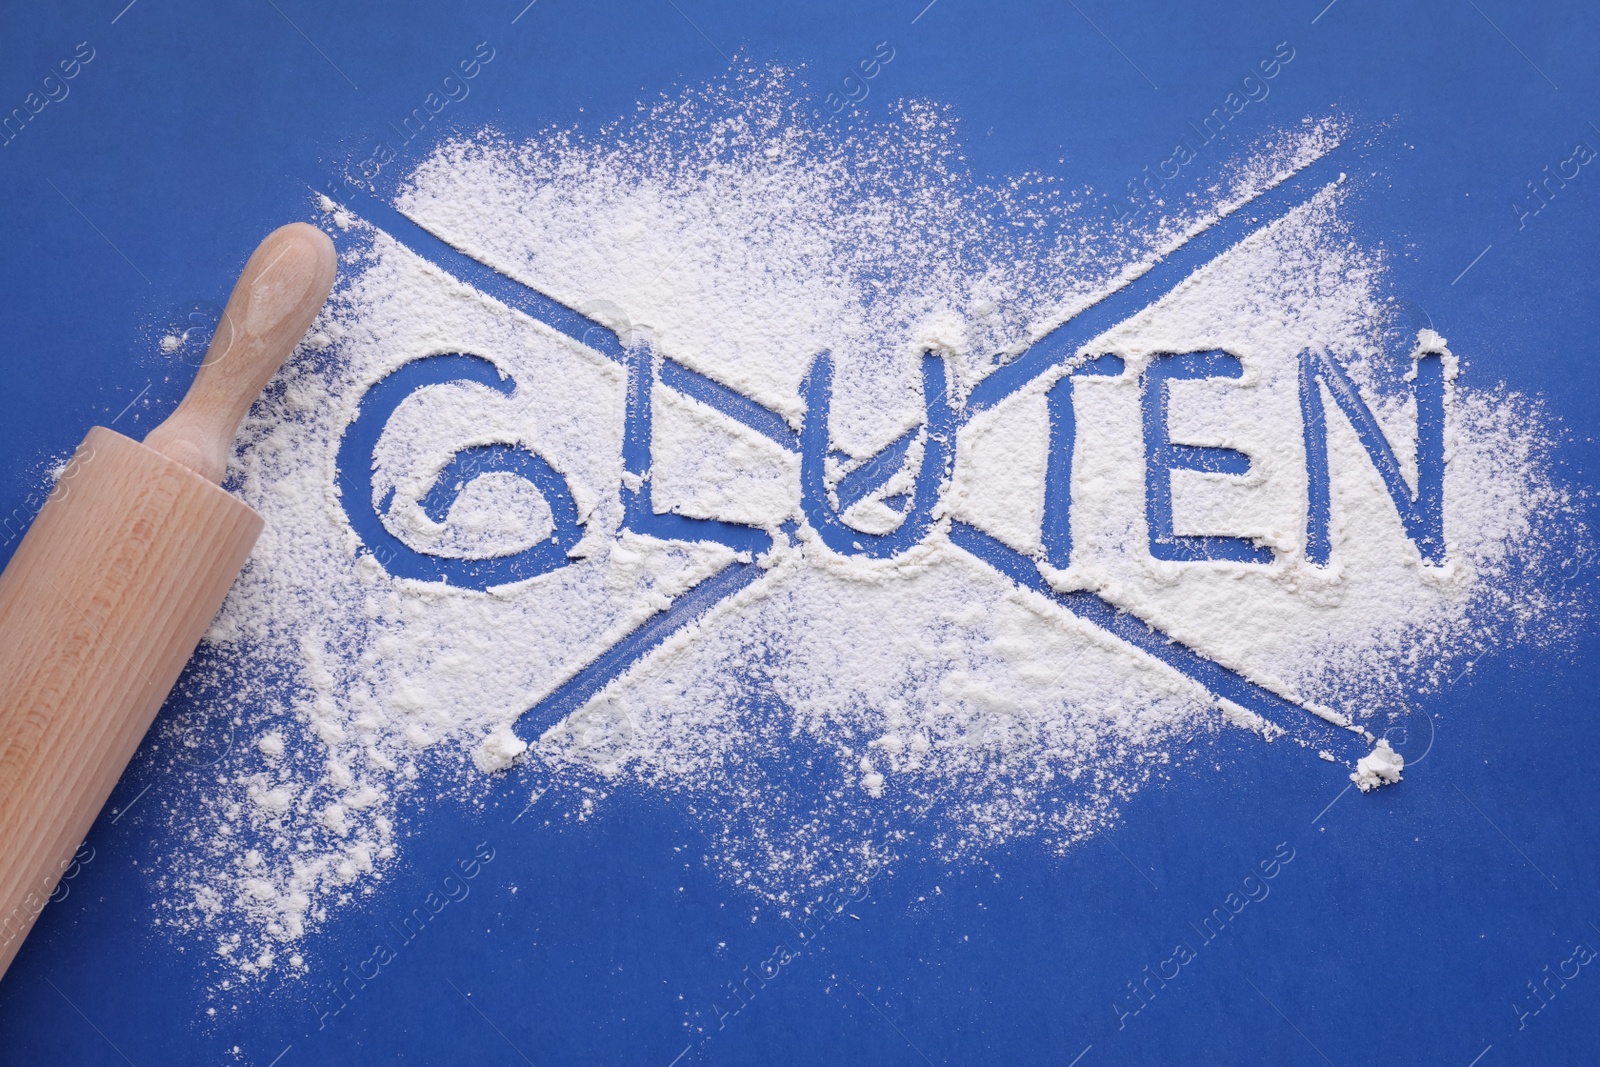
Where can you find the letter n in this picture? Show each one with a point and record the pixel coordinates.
(1421, 511)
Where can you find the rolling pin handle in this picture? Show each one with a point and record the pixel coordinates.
(282, 288)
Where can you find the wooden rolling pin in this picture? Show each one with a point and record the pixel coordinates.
(119, 576)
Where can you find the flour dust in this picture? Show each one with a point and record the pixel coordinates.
(839, 709)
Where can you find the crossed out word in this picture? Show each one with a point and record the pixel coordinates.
(823, 506)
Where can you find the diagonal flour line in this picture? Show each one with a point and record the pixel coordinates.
(865, 478)
(1168, 271)
(531, 802)
(616, 661)
(1172, 267)
(1220, 681)
(729, 402)
(491, 281)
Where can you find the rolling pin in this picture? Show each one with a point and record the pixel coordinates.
(120, 574)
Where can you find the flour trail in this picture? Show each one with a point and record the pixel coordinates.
(838, 710)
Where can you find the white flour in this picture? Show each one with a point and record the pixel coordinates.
(818, 719)
(1380, 767)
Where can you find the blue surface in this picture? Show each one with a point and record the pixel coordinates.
(1404, 925)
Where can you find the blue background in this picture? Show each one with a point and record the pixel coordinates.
(1408, 920)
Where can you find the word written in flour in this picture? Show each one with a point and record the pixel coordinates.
(919, 462)
(823, 502)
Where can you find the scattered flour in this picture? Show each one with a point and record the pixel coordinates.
(820, 720)
(1381, 766)
(498, 751)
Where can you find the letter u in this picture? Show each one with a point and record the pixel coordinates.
(823, 510)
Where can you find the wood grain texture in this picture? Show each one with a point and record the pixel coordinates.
(101, 607)
(119, 576)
